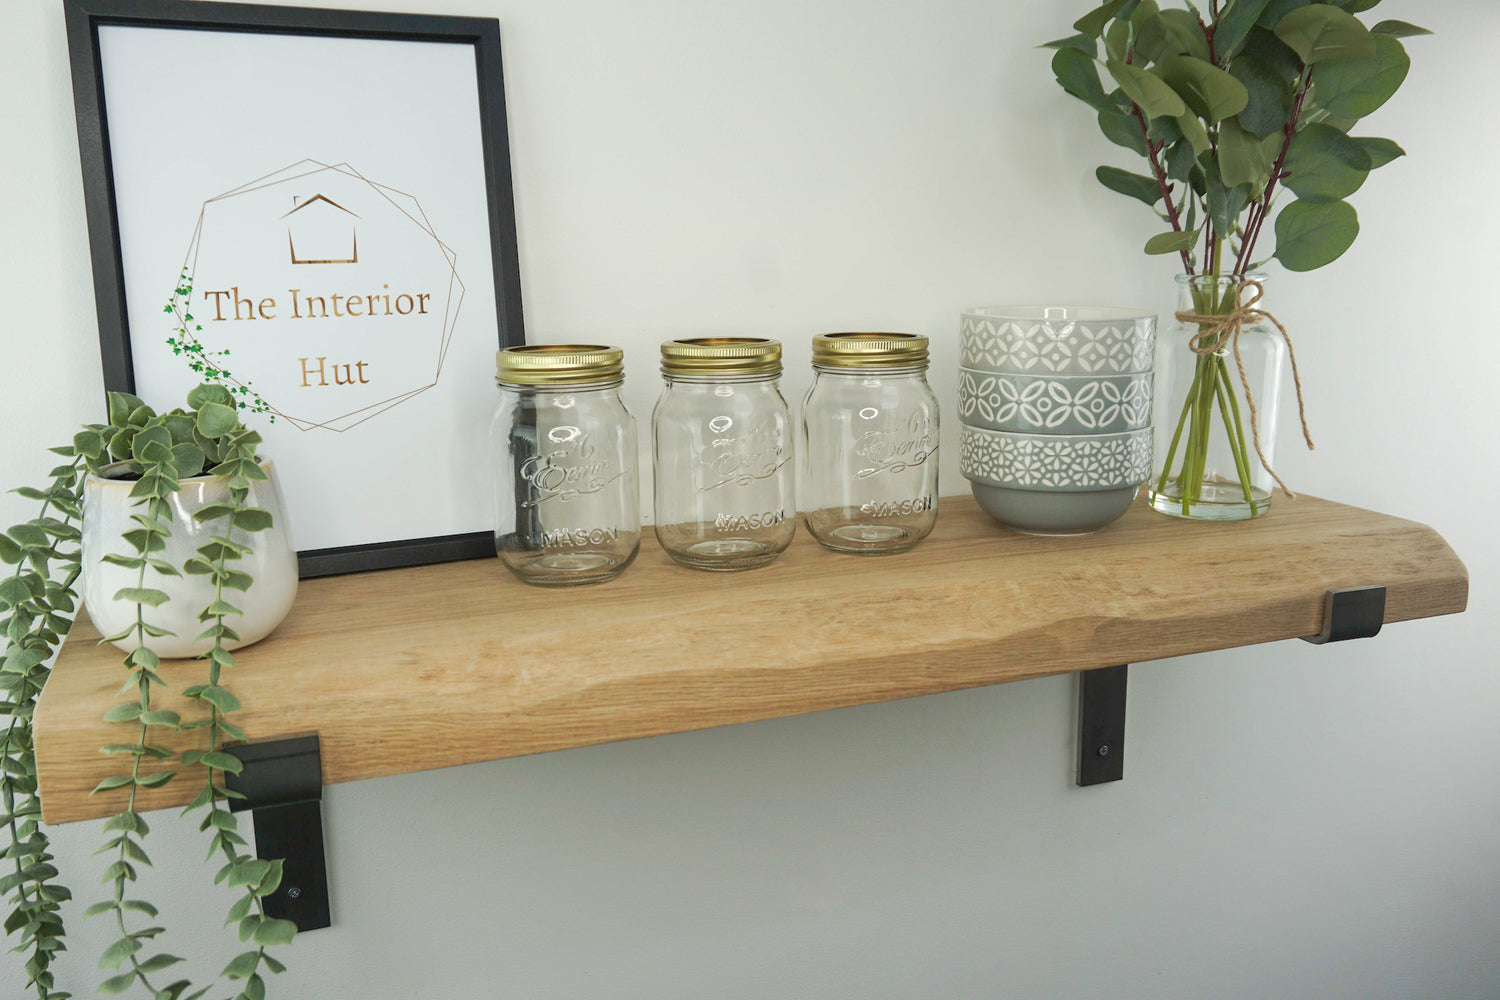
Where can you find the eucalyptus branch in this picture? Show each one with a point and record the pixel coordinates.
(1259, 212)
(1153, 149)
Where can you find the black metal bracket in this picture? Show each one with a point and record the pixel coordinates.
(282, 782)
(1101, 724)
(1354, 613)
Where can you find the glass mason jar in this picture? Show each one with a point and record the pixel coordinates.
(870, 441)
(563, 454)
(722, 433)
(1211, 470)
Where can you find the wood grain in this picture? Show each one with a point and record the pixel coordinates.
(410, 669)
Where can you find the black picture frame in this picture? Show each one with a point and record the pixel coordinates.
(84, 19)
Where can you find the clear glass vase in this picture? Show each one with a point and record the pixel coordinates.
(1216, 441)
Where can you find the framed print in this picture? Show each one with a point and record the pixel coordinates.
(313, 208)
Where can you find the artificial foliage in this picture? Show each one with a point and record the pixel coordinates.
(1241, 111)
(38, 598)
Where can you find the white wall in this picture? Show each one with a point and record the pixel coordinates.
(1295, 821)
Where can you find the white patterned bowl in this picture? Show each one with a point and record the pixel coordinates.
(1054, 484)
(1057, 340)
(1054, 404)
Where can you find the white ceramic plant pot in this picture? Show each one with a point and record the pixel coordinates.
(272, 563)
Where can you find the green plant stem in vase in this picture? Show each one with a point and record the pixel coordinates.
(1240, 109)
(1211, 465)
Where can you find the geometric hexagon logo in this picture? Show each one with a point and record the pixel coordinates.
(327, 292)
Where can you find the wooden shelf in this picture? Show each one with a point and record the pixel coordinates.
(410, 669)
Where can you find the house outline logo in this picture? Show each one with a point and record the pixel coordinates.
(327, 232)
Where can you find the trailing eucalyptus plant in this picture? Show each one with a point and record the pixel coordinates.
(38, 599)
(1236, 106)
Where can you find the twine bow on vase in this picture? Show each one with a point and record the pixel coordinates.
(1216, 330)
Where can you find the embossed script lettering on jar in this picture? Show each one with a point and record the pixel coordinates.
(573, 467)
(739, 460)
(894, 448)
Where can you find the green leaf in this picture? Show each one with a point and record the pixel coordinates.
(208, 392)
(10, 552)
(1235, 25)
(118, 952)
(1194, 132)
(1382, 151)
(117, 984)
(1212, 93)
(217, 609)
(242, 965)
(1171, 242)
(253, 519)
(1244, 159)
(142, 595)
(213, 511)
(1398, 29)
(1076, 72)
(1322, 31)
(1309, 236)
(161, 717)
(1132, 185)
(1354, 88)
(1184, 34)
(240, 909)
(1323, 164)
(1083, 43)
(1092, 24)
(223, 762)
(216, 419)
(1225, 203)
(1269, 104)
(1149, 92)
(123, 712)
(1267, 48)
(158, 962)
(29, 536)
(121, 406)
(1277, 9)
(275, 932)
(1117, 40)
(188, 459)
(1122, 130)
(156, 780)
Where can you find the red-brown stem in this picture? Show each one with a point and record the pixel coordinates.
(1258, 216)
(1161, 181)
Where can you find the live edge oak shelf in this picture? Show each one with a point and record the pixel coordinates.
(409, 669)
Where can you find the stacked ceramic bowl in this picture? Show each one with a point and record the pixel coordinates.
(1056, 410)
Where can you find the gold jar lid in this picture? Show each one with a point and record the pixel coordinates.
(711, 356)
(559, 364)
(869, 350)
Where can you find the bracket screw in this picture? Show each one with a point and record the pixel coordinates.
(1104, 750)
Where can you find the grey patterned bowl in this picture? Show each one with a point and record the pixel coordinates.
(1061, 484)
(1060, 340)
(1054, 404)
